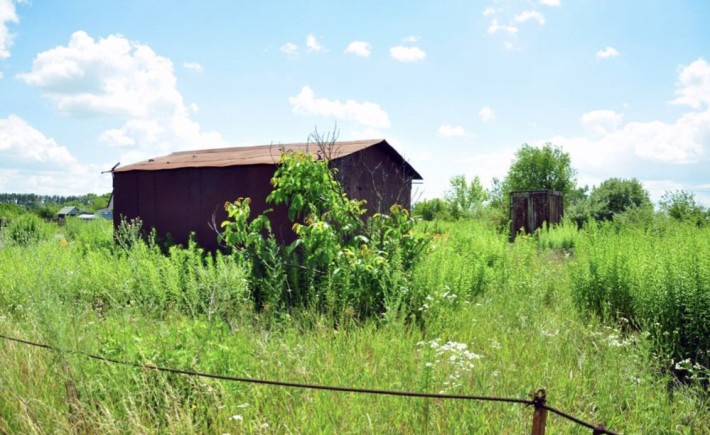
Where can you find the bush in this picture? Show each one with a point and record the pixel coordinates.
(338, 263)
(27, 229)
(430, 209)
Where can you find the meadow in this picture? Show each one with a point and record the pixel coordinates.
(611, 320)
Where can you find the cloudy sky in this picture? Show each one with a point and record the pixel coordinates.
(456, 86)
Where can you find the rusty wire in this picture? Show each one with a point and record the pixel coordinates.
(596, 429)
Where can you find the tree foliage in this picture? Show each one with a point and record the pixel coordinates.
(681, 206)
(616, 195)
(548, 167)
(464, 198)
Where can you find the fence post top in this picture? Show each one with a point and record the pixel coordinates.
(540, 397)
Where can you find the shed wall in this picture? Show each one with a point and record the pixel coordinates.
(529, 210)
(177, 202)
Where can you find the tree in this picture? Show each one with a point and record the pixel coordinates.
(534, 168)
(617, 195)
(463, 197)
(681, 206)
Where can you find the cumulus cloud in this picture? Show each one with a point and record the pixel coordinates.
(602, 121)
(486, 114)
(411, 39)
(364, 113)
(312, 44)
(649, 150)
(193, 66)
(496, 27)
(550, 2)
(21, 142)
(489, 11)
(7, 15)
(530, 16)
(116, 77)
(407, 54)
(289, 49)
(694, 85)
(607, 53)
(447, 130)
(33, 162)
(359, 48)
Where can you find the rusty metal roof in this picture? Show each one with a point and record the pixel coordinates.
(254, 155)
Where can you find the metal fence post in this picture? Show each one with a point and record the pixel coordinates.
(540, 415)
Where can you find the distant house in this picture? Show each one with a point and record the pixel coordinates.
(106, 213)
(185, 192)
(67, 211)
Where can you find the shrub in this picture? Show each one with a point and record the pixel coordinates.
(27, 229)
(338, 262)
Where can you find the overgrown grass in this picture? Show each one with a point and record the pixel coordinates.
(656, 280)
(499, 319)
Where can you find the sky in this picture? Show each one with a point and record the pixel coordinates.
(457, 87)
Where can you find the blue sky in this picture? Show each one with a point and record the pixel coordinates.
(456, 86)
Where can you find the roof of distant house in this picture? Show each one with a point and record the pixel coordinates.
(67, 210)
(255, 155)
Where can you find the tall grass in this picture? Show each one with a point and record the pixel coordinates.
(654, 279)
(497, 319)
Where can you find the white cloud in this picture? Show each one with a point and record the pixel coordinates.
(407, 54)
(111, 76)
(1, 75)
(496, 27)
(601, 121)
(313, 45)
(194, 107)
(33, 162)
(359, 48)
(366, 113)
(653, 151)
(694, 82)
(530, 16)
(447, 130)
(550, 2)
(193, 66)
(489, 11)
(486, 114)
(607, 53)
(411, 39)
(21, 142)
(116, 77)
(7, 15)
(289, 49)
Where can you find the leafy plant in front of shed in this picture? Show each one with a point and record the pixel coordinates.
(339, 263)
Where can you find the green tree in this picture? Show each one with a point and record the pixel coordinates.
(616, 195)
(548, 167)
(464, 198)
(430, 209)
(681, 206)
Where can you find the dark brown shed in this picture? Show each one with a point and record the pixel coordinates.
(530, 209)
(180, 193)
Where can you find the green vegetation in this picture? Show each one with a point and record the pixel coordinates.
(495, 319)
(548, 167)
(611, 318)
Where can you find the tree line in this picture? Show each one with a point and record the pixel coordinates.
(550, 168)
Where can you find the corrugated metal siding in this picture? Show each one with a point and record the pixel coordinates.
(529, 210)
(183, 200)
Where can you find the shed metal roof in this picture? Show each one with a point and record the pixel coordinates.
(254, 155)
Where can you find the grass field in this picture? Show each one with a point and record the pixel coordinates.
(605, 319)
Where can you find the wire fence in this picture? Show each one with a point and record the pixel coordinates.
(538, 400)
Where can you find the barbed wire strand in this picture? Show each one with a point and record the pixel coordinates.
(596, 429)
